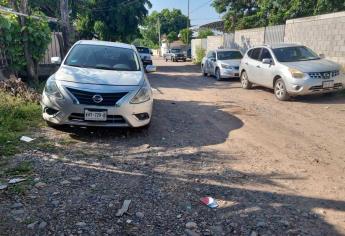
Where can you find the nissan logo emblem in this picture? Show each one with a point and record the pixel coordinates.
(97, 98)
(326, 75)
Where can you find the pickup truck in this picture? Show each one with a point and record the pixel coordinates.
(175, 54)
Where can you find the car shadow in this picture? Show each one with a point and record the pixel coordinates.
(174, 124)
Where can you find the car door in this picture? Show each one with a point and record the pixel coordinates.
(265, 71)
(252, 64)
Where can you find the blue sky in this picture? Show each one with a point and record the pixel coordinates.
(201, 11)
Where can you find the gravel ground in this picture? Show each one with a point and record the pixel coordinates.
(275, 168)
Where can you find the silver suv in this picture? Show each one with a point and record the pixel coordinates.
(291, 70)
(222, 63)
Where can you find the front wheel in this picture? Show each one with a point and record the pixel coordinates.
(280, 90)
(246, 84)
(166, 59)
(218, 75)
(203, 70)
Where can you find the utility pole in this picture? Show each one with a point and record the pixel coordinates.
(188, 27)
(65, 24)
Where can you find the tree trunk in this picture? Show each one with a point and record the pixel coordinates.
(30, 65)
(65, 24)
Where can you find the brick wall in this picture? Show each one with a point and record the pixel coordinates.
(323, 33)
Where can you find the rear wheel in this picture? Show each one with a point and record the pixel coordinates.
(218, 76)
(280, 90)
(246, 84)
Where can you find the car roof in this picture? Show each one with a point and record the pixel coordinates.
(279, 45)
(227, 50)
(105, 43)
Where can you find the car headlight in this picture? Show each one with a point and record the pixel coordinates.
(143, 95)
(225, 66)
(296, 73)
(52, 89)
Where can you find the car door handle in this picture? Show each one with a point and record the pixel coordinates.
(246, 63)
(258, 66)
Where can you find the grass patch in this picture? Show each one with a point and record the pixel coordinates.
(16, 117)
(23, 168)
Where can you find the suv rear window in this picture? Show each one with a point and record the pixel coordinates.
(254, 53)
(143, 50)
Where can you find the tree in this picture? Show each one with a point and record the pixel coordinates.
(172, 36)
(170, 21)
(186, 35)
(250, 14)
(204, 33)
(111, 20)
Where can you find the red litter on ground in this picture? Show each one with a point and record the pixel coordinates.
(210, 202)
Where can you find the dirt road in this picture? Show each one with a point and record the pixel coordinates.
(275, 168)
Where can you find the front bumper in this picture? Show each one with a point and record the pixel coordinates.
(229, 73)
(69, 113)
(314, 86)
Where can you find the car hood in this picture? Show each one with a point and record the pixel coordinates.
(234, 62)
(99, 77)
(321, 65)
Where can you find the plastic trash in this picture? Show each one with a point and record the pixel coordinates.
(210, 202)
(16, 180)
(26, 139)
(3, 186)
(124, 208)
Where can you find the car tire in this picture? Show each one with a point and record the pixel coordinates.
(280, 90)
(218, 76)
(184, 60)
(166, 59)
(245, 83)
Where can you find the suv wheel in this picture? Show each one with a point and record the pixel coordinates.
(218, 76)
(246, 84)
(166, 59)
(280, 90)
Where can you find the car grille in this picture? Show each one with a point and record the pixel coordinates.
(324, 75)
(86, 98)
(319, 87)
(110, 118)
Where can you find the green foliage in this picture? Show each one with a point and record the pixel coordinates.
(251, 14)
(186, 35)
(111, 20)
(169, 21)
(145, 43)
(172, 36)
(16, 115)
(204, 33)
(39, 36)
(200, 54)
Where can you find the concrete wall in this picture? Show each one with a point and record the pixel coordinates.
(214, 42)
(324, 34)
(196, 43)
(248, 38)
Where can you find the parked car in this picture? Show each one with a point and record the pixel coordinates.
(291, 70)
(222, 63)
(98, 84)
(175, 55)
(145, 55)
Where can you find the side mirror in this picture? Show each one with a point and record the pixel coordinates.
(213, 59)
(322, 55)
(151, 68)
(267, 61)
(56, 60)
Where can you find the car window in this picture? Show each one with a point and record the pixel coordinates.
(143, 50)
(265, 54)
(255, 54)
(175, 50)
(209, 54)
(103, 57)
(297, 53)
(229, 55)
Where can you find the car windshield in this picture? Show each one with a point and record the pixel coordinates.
(229, 55)
(291, 54)
(143, 50)
(103, 57)
(175, 50)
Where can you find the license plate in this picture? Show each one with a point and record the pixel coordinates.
(328, 84)
(95, 115)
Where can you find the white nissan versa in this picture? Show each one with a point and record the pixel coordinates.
(99, 84)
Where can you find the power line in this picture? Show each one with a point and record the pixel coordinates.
(201, 6)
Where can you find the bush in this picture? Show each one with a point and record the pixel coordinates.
(200, 54)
